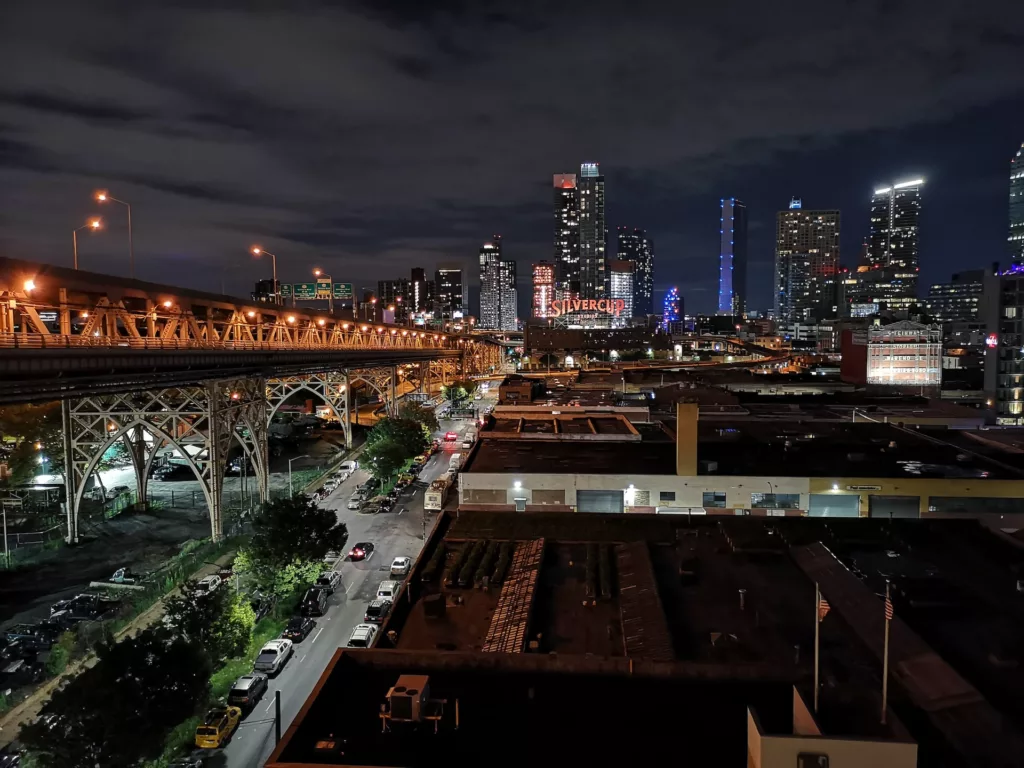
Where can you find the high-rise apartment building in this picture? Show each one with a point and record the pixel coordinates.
(806, 264)
(450, 293)
(1016, 238)
(567, 235)
(959, 300)
(421, 291)
(395, 293)
(672, 311)
(634, 245)
(498, 294)
(621, 279)
(543, 289)
(732, 260)
(889, 273)
(593, 230)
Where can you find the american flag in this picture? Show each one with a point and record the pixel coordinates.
(823, 608)
(888, 606)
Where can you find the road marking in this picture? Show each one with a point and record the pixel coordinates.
(269, 705)
(318, 633)
(303, 658)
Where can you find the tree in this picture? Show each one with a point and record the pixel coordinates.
(384, 459)
(458, 392)
(119, 710)
(291, 538)
(30, 426)
(424, 415)
(407, 434)
(213, 620)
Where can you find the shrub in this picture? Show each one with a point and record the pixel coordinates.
(433, 564)
(504, 560)
(60, 654)
(472, 561)
(456, 564)
(483, 571)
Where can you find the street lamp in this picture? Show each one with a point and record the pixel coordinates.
(92, 225)
(291, 491)
(103, 196)
(330, 294)
(257, 252)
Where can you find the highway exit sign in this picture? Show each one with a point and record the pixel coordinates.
(343, 291)
(304, 291)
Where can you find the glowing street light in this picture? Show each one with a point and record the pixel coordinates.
(30, 285)
(92, 225)
(317, 272)
(102, 196)
(257, 252)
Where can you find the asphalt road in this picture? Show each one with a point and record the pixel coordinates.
(393, 534)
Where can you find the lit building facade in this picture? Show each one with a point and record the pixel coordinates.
(634, 245)
(508, 314)
(421, 291)
(567, 235)
(732, 260)
(490, 285)
(395, 293)
(806, 264)
(621, 287)
(543, 289)
(672, 310)
(1004, 352)
(450, 293)
(889, 273)
(958, 300)
(1016, 237)
(593, 229)
(904, 354)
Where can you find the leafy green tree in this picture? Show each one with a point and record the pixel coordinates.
(60, 654)
(29, 426)
(458, 392)
(118, 711)
(407, 434)
(216, 621)
(384, 459)
(291, 538)
(424, 415)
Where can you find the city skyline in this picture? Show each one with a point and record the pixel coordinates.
(210, 163)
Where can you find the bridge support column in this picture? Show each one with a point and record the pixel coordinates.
(347, 420)
(392, 404)
(198, 422)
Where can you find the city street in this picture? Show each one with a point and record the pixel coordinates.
(393, 534)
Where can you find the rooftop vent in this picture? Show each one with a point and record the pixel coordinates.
(408, 697)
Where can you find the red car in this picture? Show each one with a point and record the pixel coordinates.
(450, 437)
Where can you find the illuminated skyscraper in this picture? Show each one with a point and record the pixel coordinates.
(806, 264)
(543, 289)
(567, 235)
(490, 284)
(732, 260)
(593, 230)
(450, 298)
(621, 279)
(635, 246)
(890, 270)
(671, 310)
(1016, 238)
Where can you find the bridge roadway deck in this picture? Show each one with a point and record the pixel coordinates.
(37, 375)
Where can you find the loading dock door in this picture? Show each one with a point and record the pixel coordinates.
(599, 501)
(895, 506)
(834, 505)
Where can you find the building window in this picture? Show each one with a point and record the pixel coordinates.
(714, 499)
(667, 496)
(775, 500)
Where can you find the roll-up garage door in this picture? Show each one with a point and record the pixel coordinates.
(895, 506)
(599, 501)
(834, 505)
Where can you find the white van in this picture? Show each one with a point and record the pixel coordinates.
(388, 590)
(455, 462)
(348, 466)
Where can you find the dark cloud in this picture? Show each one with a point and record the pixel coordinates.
(371, 137)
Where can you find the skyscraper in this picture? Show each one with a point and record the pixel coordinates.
(635, 246)
(508, 294)
(421, 291)
(621, 287)
(450, 298)
(732, 266)
(672, 311)
(567, 235)
(890, 269)
(498, 295)
(395, 293)
(1016, 238)
(806, 264)
(543, 289)
(593, 230)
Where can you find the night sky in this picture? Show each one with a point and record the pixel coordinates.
(369, 141)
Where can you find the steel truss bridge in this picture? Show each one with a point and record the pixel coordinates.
(157, 366)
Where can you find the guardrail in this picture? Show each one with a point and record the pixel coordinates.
(64, 341)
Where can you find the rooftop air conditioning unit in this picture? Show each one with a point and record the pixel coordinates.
(408, 698)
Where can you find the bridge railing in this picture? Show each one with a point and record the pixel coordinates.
(65, 341)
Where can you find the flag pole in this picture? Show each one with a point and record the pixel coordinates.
(817, 638)
(885, 654)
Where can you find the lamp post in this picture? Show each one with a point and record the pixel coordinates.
(291, 491)
(93, 225)
(103, 196)
(330, 295)
(257, 252)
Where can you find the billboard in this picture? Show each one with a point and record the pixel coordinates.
(561, 307)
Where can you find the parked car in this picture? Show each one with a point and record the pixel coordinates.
(400, 566)
(207, 585)
(314, 602)
(330, 485)
(377, 611)
(360, 551)
(388, 589)
(261, 604)
(217, 727)
(350, 466)
(355, 501)
(341, 475)
(247, 690)
(273, 656)
(298, 628)
(329, 581)
(467, 443)
(362, 636)
(117, 490)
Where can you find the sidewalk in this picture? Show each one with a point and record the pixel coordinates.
(29, 709)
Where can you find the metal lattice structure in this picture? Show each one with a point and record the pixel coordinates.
(332, 387)
(198, 422)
